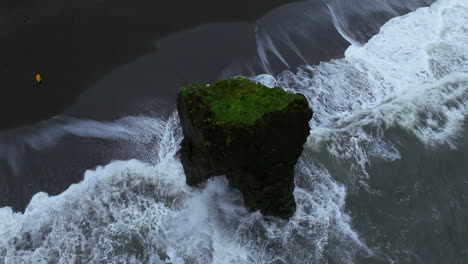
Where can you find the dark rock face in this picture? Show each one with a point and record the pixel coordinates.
(258, 158)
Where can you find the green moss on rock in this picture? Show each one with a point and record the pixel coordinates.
(237, 128)
(239, 101)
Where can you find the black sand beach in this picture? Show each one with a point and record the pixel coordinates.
(90, 167)
(97, 65)
(73, 44)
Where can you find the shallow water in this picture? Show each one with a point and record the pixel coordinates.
(382, 178)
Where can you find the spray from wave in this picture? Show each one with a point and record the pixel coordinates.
(414, 75)
(314, 23)
(360, 20)
(129, 211)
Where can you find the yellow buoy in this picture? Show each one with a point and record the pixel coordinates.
(38, 78)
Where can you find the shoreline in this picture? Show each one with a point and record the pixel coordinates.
(73, 46)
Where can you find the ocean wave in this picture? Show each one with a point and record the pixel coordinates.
(413, 74)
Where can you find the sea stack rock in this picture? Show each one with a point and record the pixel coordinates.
(251, 133)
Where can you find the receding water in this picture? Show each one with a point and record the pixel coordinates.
(383, 177)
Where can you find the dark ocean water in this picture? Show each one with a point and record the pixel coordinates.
(383, 177)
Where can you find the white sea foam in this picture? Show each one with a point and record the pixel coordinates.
(15, 143)
(357, 19)
(134, 133)
(134, 212)
(311, 21)
(413, 75)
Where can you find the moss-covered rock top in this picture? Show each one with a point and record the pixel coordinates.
(239, 101)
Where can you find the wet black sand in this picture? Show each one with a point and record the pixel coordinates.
(72, 44)
(112, 61)
(140, 76)
(417, 213)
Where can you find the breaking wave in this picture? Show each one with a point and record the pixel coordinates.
(413, 75)
(135, 212)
